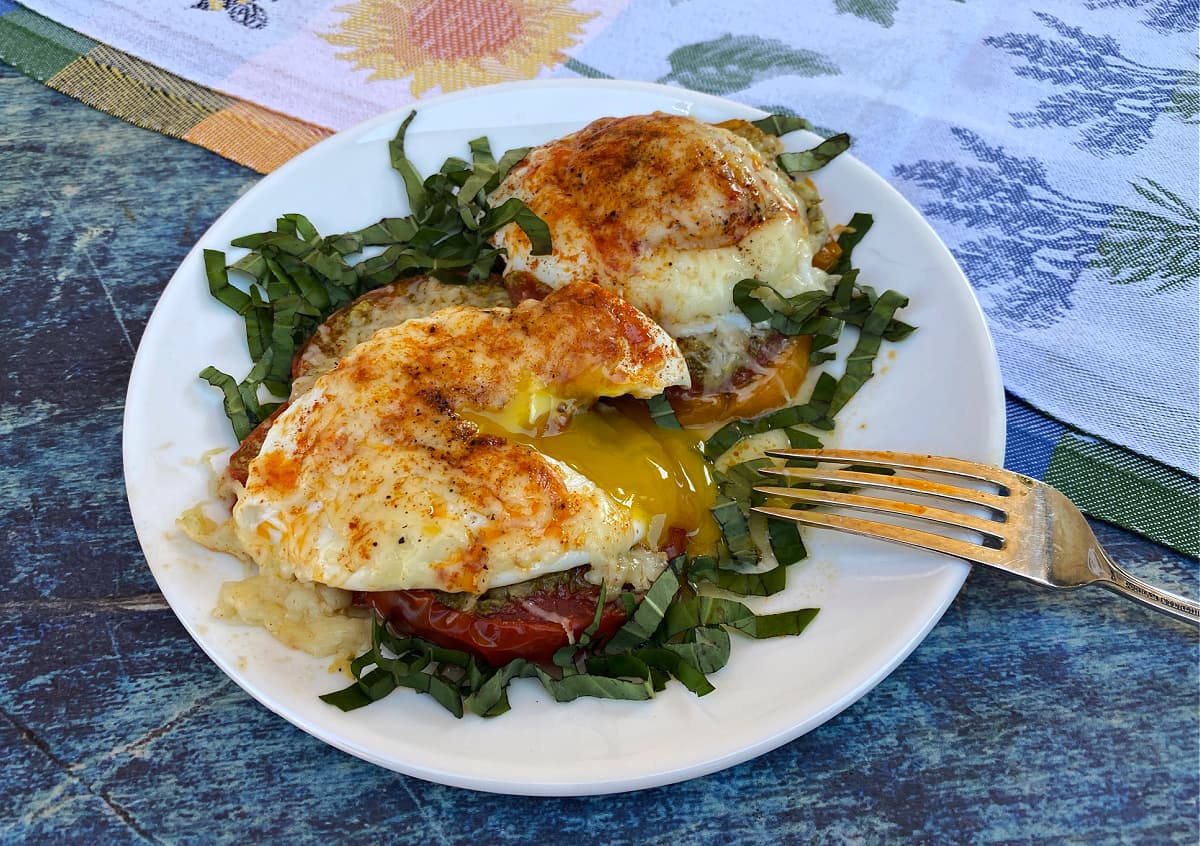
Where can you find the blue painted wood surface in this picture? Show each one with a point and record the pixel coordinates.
(1025, 717)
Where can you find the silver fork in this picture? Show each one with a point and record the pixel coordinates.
(1031, 530)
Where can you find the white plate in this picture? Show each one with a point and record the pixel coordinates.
(940, 393)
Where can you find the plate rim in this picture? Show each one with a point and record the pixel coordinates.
(659, 776)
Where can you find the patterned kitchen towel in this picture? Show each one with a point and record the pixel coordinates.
(148, 96)
(1051, 144)
(1104, 480)
(333, 63)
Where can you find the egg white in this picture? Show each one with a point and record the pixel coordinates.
(373, 480)
(673, 254)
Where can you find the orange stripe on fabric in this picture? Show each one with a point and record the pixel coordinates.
(145, 95)
(255, 137)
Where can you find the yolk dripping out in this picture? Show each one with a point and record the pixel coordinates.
(659, 474)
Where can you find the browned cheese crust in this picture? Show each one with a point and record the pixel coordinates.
(643, 183)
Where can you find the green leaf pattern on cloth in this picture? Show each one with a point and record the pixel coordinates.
(1162, 245)
(1185, 101)
(882, 12)
(734, 62)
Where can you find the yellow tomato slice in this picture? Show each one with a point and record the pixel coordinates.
(752, 392)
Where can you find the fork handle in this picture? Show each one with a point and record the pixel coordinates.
(1131, 586)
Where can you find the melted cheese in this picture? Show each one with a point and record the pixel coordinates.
(378, 479)
(386, 306)
(666, 211)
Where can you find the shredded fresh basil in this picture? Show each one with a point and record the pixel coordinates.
(702, 610)
(297, 278)
(806, 161)
(853, 232)
(679, 629)
(705, 568)
(662, 413)
(640, 627)
(241, 402)
(778, 124)
(823, 316)
(633, 665)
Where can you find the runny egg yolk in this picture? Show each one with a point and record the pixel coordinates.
(658, 474)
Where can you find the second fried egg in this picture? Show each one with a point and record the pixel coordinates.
(667, 211)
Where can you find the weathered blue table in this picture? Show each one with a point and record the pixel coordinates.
(1025, 717)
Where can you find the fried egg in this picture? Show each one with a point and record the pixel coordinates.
(387, 306)
(461, 451)
(669, 213)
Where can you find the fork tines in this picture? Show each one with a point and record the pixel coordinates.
(1031, 530)
(991, 530)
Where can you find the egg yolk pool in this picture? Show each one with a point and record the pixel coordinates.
(658, 474)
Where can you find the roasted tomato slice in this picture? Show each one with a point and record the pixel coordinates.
(531, 623)
(783, 365)
(239, 462)
(525, 286)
